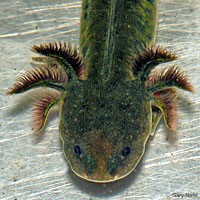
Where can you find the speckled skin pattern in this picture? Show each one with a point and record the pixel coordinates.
(108, 112)
(102, 120)
(110, 99)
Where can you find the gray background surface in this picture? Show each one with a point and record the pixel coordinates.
(33, 166)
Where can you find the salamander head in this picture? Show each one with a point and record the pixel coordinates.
(104, 131)
(101, 158)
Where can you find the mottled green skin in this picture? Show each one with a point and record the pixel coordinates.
(111, 109)
(113, 30)
(102, 120)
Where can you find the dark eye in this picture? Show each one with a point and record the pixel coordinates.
(125, 151)
(77, 150)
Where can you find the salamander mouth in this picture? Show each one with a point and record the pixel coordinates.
(105, 179)
(99, 179)
(101, 173)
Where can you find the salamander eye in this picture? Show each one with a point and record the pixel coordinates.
(77, 150)
(125, 152)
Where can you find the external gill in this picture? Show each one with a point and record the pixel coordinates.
(39, 77)
(42, 106)
(160, 85)
(59, 65)
(148, 59)
(165, 100)
(68, 58)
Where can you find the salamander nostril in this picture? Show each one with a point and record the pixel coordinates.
(113, 164)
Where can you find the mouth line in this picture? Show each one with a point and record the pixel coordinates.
(90, 179)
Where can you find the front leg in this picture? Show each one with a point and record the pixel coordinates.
(156, 116)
